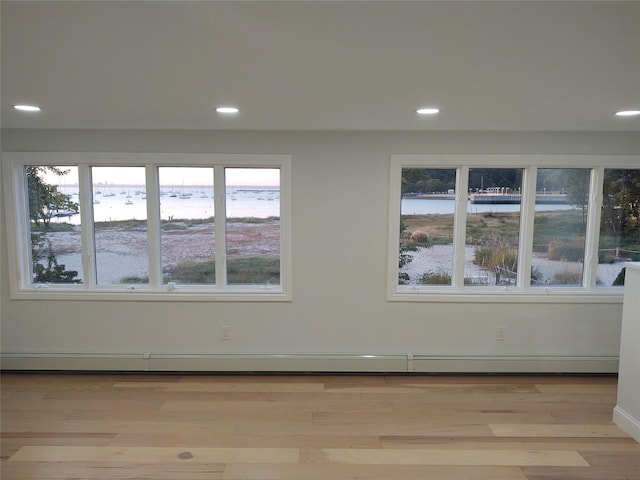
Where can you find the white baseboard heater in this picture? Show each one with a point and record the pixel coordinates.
(306, 363)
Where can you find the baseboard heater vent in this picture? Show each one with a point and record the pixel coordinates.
(401, 363)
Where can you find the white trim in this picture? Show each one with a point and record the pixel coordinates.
(220, 211)
(515, 364)
(18, 236)
(460, 226)
(375, 363)
(393, 242)
(154, 233)
(527, 215)
(506, 295)
(627, 423)
(516, 160)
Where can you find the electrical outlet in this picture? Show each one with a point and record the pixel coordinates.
(225, 333)
(500, 332)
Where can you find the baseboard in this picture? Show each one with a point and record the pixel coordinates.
(73, 361)
(515, 364)
(627, 423)
(401, 363)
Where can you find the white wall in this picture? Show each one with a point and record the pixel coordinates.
(626, 414)
(340, 195)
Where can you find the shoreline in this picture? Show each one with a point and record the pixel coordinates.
(122, 252)
(495, 198)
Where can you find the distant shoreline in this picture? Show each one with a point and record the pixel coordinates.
(494, 198)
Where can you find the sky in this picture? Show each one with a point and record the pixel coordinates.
(171, 176)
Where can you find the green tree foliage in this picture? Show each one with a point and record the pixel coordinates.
(427, 180)
(576, 186)
(621, 205)
(430, 180)
(45, 199)
(52, 272)
(404, 257)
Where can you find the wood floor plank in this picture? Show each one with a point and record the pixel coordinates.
(450, 417)
(368, 472)
(603, 458)
(570, 473)
(111, 470)
(540, 430)
(169, 416)
(236, 440)
(113, 426)
(582, 445)
(155, 454)
(578, 389)
(375, 427)
(452, 457)
(438, 388)
(153, 395)
(275, 407)
(227, 387)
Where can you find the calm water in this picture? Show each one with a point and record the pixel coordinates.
(128, 203)
(420, 206)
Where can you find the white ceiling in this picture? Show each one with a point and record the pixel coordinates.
(321, 65)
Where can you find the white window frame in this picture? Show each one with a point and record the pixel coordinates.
(17, 223)
(523, 292)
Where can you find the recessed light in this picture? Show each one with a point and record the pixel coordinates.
(27, 108)
(628, 113)
(227, 110)
(427, 111)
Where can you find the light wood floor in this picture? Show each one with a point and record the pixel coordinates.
(207, 427)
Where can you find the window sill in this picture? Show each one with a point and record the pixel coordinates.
(507, 295)
(143, 294)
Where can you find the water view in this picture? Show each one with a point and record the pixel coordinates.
(425, 206)
(129, 202)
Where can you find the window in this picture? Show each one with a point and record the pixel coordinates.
(426, 227)
(511, 225)
(149, 226)
(54, 229)
(559, 227)
(120, 227)
(493, 227)
(253, 225)
(187, 225)
(619, 226)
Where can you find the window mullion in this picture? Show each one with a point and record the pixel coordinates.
(527, 208)
(592, 233)
(460, 225)
(219, 194)
(153, 225)
(24, 245)
(395, 216)
(85, 194)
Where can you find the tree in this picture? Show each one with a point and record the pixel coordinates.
(52, 272)
(621, 204)
(576, 186)
(44, 201)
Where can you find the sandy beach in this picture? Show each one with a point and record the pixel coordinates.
(122, 252)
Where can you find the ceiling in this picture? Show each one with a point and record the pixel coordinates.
(322, 65)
